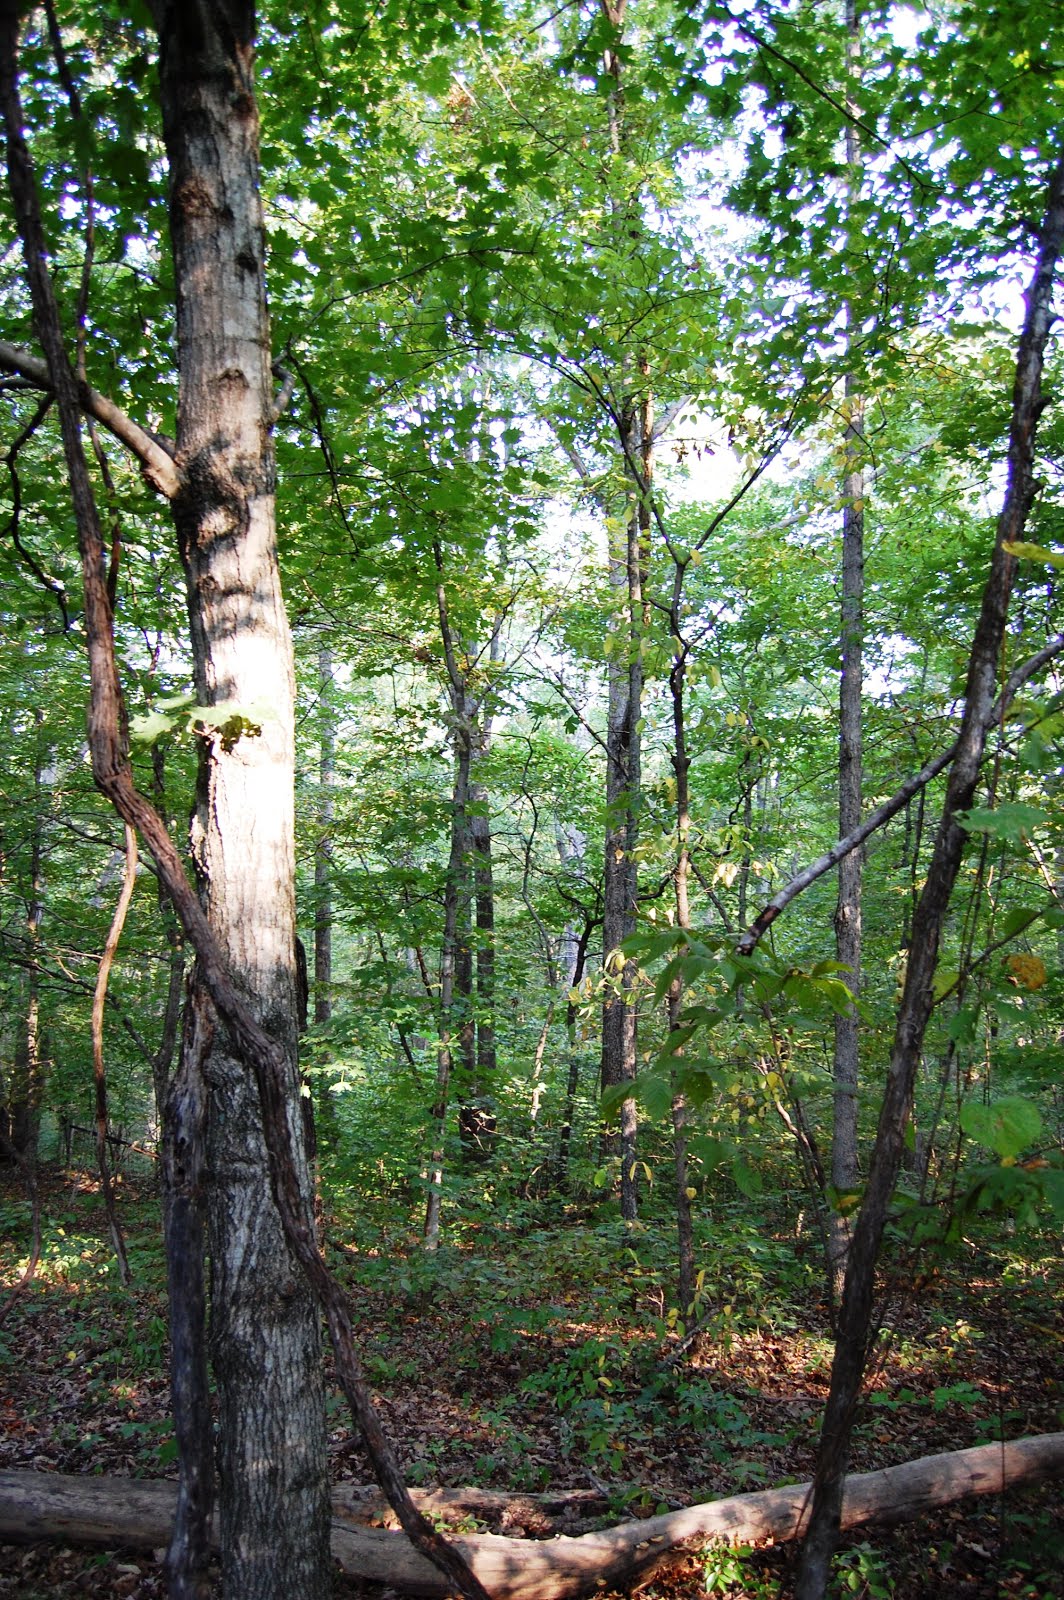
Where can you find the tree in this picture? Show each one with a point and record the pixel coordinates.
(243, 1010)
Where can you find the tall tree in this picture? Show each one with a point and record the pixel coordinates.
(917, 998)
(845, 1171)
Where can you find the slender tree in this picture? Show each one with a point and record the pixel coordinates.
(855, 1317)
(845, 1171)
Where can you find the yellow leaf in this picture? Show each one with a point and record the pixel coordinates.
(1027, 970)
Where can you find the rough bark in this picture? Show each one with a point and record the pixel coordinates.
(136, 1514)
(265, 1342)
(855, 1315)
(184, 1193)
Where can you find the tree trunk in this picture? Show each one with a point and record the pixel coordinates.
(449, 961)
(235, 493)
(855, 1318)
(845, 1172)
(483, 1101)
(681, 766)
(163, 1060)
(265, 1341)
(110, 949)
(136, 1514)
(623, 784)
(627, 558)
(323, 844)
(572, 1050)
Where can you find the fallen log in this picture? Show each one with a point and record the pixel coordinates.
(560, 1511)
(137, 1514)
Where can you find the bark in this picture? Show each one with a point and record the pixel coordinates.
(530, 1514)
(184, 1191)
(136, 1514)
(572, 1050)
(265, 1341)
(484, 899)
(473, 875)
(627, 560)
(163, 1059)
(855, 1316)
(623, 784)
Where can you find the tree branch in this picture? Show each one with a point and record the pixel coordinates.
(156, 461)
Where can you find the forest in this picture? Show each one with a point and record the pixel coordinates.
(531, 832)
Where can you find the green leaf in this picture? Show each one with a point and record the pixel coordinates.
(1012, 820)
(747, 1178)
(150, 728)
(1019, 918)
(1007, 1126)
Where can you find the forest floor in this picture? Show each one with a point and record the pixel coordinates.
(529, 1356)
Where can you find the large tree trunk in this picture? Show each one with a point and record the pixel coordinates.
(265, 1342)
(135, 1514)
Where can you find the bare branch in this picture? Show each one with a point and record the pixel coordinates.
(667, 418)
(156, 461)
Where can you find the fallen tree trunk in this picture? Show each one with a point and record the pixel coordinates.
(563, 1511)
(138, 1514)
